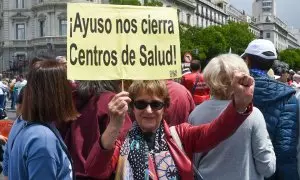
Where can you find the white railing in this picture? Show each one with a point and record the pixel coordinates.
(18, 43)
(49, 39)
(37, 3)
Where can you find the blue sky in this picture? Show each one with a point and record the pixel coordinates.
(287, 10)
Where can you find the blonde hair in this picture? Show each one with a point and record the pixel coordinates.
(271, 73)
(218, 74)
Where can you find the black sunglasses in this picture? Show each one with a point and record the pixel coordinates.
(155, 105)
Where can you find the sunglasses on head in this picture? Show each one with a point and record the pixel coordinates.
(155, 105)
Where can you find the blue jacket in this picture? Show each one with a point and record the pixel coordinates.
(34, 152)
(280, 108)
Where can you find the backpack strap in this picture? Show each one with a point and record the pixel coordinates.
(178, 142)
(176, 138)
(195, 85)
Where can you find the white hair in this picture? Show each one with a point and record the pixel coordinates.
(218, 74)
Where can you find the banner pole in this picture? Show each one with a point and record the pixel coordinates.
(122, 84)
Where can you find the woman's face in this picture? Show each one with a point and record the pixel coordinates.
(148, 111)
(284, 77)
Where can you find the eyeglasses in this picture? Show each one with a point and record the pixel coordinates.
(155, 105)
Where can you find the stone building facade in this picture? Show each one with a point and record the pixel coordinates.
(31, 28)
(272, 27)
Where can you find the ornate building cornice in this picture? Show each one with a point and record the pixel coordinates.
(42, 17)
(62, 16)
(19, 17)
(49, 6)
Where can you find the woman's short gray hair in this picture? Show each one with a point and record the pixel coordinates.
(218, 74)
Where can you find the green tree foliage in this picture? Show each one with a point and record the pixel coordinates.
(190, 40)
(125, 2)
(153, 3)
(237, 36)
(137, 2)
(292, 57)
(214, 40)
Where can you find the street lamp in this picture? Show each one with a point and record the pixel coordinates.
(20, 62)
(1, 54)
(12, 64)
(49, 48)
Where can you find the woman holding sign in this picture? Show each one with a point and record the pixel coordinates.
(82, 136)
(152, 149)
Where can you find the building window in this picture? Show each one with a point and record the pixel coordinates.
(42, 28)
(20, 4)
(268, 35)
(62, 27)
(188, 19)
(21, 58)
(200, 9)
(267, 3)
(266, 9)
(20, 31)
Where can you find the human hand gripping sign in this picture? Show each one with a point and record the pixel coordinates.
(118, 107)
(243, 89)
(3, 139)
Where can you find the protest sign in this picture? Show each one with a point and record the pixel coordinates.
(107, 42)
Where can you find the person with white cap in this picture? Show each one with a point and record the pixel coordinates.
(279, 106)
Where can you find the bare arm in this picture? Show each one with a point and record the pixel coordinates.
(118, 107)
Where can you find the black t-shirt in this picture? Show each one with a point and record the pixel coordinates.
(150, 139)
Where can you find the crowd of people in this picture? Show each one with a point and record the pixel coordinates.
(10, 90)
(231, 121)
